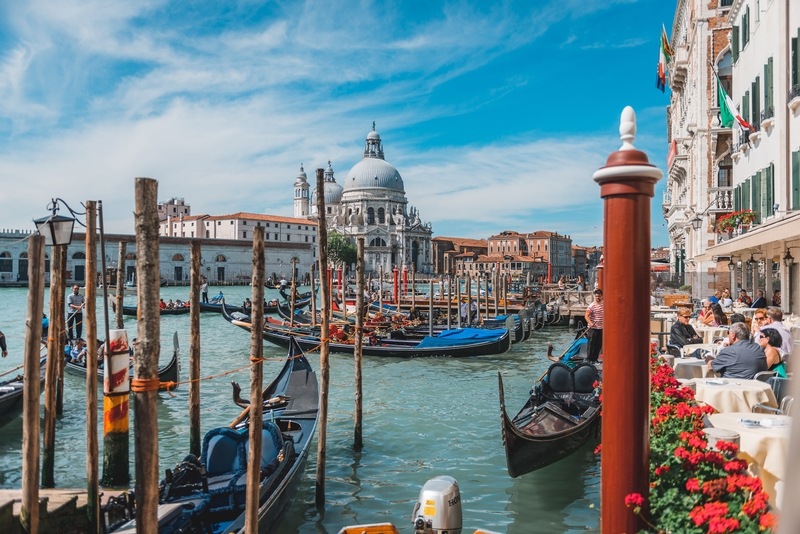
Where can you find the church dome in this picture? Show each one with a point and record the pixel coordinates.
(333, 191)
(301, 177)
(373, 172)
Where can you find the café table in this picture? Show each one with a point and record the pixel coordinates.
(766, 446)
(710, 333)
(692, 368)
(728, 395)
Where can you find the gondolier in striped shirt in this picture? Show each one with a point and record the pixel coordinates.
(594, 321)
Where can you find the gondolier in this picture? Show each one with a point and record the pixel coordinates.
(75, 302)
(3, 346)
(204, 290)
(594, 321)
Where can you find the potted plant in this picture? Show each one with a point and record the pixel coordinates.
(738, 220)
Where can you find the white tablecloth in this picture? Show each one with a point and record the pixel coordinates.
(692, 368)
(710, 333)
(735, 395)
(768, 447)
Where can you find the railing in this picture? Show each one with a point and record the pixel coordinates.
(795, 92)
(768, 113)
(756, 125)
(725, 3)
(723, 199)
(738, 143)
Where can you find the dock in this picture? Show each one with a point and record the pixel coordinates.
(60, 510)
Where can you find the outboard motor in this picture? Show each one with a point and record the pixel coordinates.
(438, 509)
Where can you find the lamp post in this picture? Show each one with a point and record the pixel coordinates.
(732, 269)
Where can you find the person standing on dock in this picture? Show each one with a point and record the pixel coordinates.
(204, 290)
(75, 302)
(594, 322)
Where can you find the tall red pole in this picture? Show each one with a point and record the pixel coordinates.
(405, 281)
(626, 185)
(339, 286)
(600, 267)
(395, 286)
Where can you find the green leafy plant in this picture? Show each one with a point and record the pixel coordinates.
(340, 252)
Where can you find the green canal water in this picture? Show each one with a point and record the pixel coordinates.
(422, 418)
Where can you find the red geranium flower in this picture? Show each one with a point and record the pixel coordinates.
(634, 499)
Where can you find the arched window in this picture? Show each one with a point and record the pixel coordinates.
(221, 257)
(377, 242)
(381, 216)
(6, 263)
(177, 257)
(23, 255)
(130, 256)
(79, 256)
(370, 216)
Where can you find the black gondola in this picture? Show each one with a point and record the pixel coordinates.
(133, 310)
(561, 415)
(207, 494)
(168, 373)
(11, 395)
(396, 348)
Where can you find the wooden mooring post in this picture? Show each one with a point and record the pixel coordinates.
(458, 302)
(495, 288)
(324, 367)
(90, 318)
(29, 515)
(358, 442)
(627, 184)
(469, 300)
(54, 349)
(449, 300)
(196, 254)
(505, 295)
(145, 356)
(380, 290)
(256, 375)
(430, 308)
(294, 291)
(313, 297)
(120, 296)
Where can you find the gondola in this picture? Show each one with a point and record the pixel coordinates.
(168, 373)
(216, 307)
(562, 413)
(11, 392)
(449, 344)
(207, 494)
(132, 310)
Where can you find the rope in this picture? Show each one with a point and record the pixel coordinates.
(143, 385)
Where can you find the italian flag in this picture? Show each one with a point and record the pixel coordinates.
(664, 57)
(727, 110)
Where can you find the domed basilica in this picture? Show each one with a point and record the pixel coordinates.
(371, 203)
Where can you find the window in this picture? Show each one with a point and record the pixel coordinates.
(313, 239)
(769, 104)
(79, 256)
(219, 223)
(276, 237)
(244, 223)
(381, 215)
(177, 257)
(288, 226)
(377, 242)
(288, 237)
(6, 263)
(244, 235)
(208, 234)
(306, 227)
(258, 223)
(329, 209)
(370, 216)
(231, 222)
(306, 239)
(298, 227)
(221, 257)
(130, 256)
(725, 173)
(266, 235)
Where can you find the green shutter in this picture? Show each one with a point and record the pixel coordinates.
(746, 27)
(770, 193)
(768, 98)
(746, 107)
(756, 203)
(796, 180)
(737, 198)
(756, 101)
(746, 195)
(794, 61)
(735, 44)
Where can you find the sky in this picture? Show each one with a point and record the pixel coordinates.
(496, 114)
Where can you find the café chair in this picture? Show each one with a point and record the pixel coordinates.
(764, 376)
(780, 388)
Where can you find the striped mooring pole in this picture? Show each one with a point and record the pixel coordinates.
(116, 397)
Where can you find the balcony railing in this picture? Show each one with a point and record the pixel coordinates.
(756, 125)
(725, 3)
(723, 197)
(795, 92)
(768, 113)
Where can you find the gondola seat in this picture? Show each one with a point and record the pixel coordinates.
(572, 387)
(225, 456)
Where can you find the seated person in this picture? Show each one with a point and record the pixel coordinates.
(179, 303)
(773, 318)
(217, 299)
(162, 304)
(706, 316)
(726, 300)
(760, 301)
(744, 299)
(770, 340)
(715, 298)
(720, 319)
(78, 352)
(742, 359)
(170, 305)
(776, 298)
(682, 332)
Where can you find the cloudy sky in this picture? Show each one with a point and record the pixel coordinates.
(496, 114)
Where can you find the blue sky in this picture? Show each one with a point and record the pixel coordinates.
(496, 114)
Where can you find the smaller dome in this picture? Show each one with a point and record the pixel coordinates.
(373, 135)
(301, 177)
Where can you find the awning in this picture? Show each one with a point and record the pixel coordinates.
(786, 229)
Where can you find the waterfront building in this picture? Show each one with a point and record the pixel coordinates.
(473, 264)
(579, 261)
(240, 226)
(446, 249)
(175, 208)
(766, 160)
(698, 182)
(551, 247)
(371, 203)
(224, 261)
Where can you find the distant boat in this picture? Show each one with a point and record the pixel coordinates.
(11, 395)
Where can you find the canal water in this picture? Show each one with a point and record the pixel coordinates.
(422, 418)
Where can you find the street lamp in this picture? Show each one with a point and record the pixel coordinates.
(731, 265)
(697, 221)
(56, 229)
(788, 259)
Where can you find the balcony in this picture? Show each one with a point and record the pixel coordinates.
(794, 97)
(725, 3)
(680, 67)
(768, 118)
(723, 197)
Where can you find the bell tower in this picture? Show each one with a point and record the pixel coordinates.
(301, 195)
